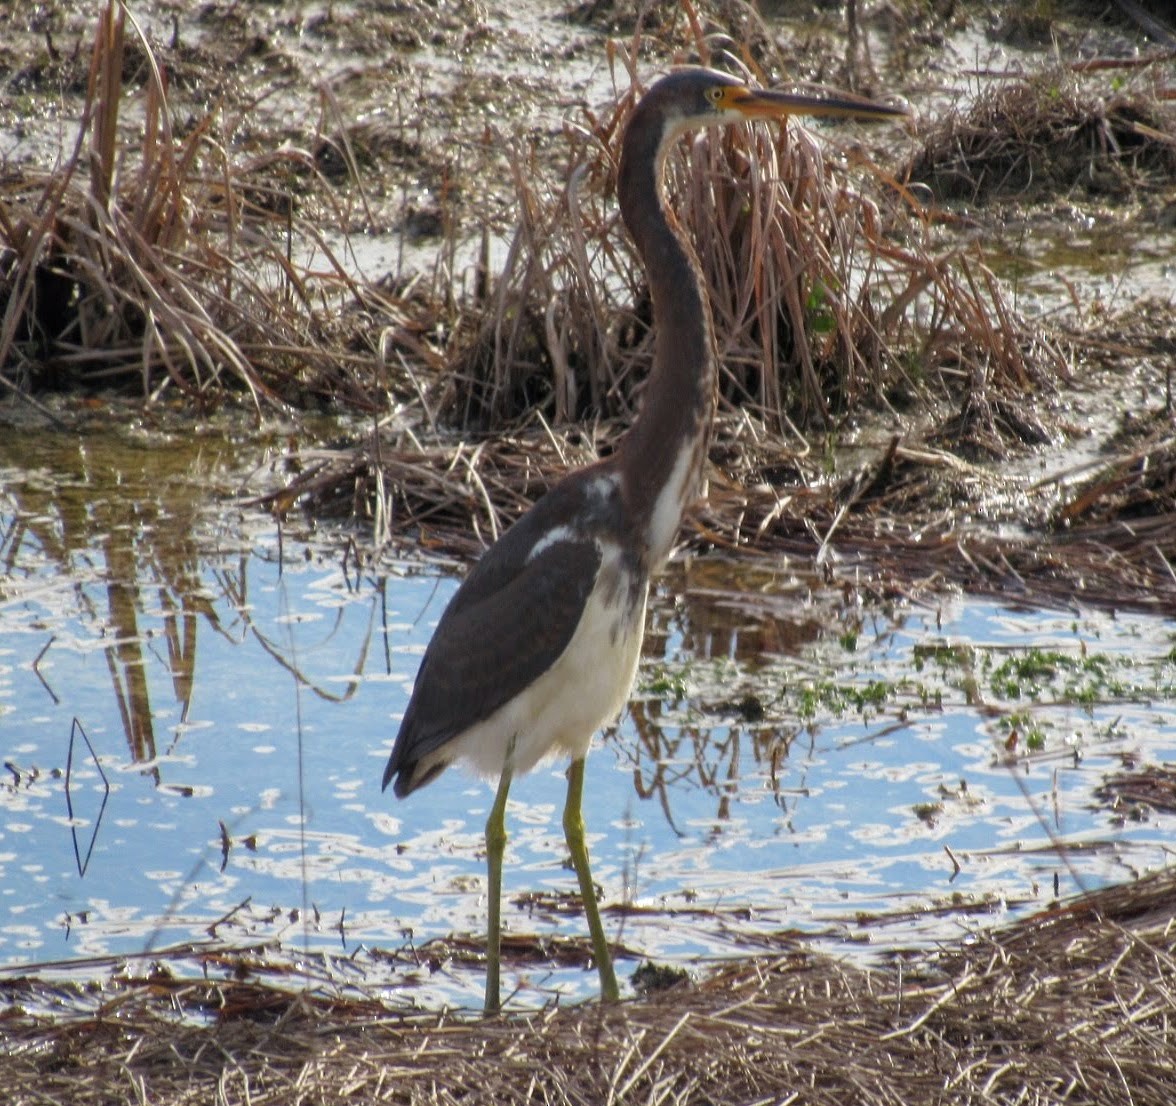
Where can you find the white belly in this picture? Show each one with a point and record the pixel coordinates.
(558, 714)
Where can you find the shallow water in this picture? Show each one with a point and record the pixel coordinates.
(194, 717)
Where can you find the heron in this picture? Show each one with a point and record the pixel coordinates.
(539, 645)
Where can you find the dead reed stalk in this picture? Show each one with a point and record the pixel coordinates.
(1055, 132)
(152, 258)
(1076, 1004)
(825, 299)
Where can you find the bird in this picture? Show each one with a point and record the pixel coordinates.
(539, 645)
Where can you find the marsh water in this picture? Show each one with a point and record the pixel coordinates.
(195, 710)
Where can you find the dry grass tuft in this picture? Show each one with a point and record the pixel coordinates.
(1127, 505)
(1131, 487)
(904, 520)
(1076, 1005)
(823, 302)
(900, 521)
(154, 258)
(454, 495)
(1052, 133)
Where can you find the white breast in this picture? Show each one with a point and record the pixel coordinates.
(677, 494)
(585, 688)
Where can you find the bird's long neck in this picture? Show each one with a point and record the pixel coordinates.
(662, 457)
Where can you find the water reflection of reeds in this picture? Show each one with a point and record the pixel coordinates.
(717, 757)
(122, 523)
(118, 524)
(734, 737)
(120, 539)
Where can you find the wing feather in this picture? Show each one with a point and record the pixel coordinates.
(507, 624)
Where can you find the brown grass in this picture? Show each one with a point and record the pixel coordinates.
(1056, 132)
(1128, 488)
(1074, 1005)
(161, 261)
(826, 297)
(900, 520)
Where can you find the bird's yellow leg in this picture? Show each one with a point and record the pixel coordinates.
(573, 821)
(495, 847)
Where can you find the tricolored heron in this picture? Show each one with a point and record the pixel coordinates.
(539, 645)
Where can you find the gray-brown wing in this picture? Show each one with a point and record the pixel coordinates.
(488, 649)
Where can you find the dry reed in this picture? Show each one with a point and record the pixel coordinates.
(1074, 1005)
(1052, 133)
(156, 257)
(825, 300)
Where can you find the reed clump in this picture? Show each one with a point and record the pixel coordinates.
(1076, 1004)
(1051, 134)
(828, 299)
(160, 261)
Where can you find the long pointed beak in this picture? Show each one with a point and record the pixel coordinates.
(758, 103)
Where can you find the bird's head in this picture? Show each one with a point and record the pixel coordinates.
(696, 97)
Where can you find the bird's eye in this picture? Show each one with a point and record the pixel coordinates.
(714, 95)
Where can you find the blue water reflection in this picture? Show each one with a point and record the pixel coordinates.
(242, 694)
